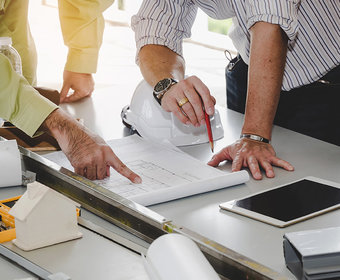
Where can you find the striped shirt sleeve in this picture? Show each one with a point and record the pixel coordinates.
(163, 22)
(281, 12)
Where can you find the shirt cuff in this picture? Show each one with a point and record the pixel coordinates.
(33, 114)
(284, 14)
(81, 62)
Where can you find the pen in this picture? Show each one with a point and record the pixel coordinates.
(207, 122)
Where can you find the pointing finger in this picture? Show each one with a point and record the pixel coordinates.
(124, 170)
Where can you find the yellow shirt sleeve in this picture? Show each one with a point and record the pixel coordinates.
(20, 103)
(14, 24)
(82, 25)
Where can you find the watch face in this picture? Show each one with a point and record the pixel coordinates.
(162, 85)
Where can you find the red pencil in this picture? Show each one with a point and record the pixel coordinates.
(207, 122)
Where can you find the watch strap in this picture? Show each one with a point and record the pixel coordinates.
(254, 137)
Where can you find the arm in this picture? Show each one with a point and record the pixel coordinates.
(160, 27)
(158, 62)
(20, 103)
(23, 106)
(88, 153)
(267, 60)
(82, 26)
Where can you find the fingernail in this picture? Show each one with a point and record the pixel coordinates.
(188, 123)
(137, 180)
(258, 176)
(270, 174)
(202, 122)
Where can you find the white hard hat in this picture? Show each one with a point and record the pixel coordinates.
(148, 118)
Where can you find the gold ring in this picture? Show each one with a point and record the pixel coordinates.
(183, 101)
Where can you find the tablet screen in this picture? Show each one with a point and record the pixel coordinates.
(292, 201)
(288, 202)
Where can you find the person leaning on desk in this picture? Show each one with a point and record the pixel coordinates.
(82, 26)
(292, 50)
(21, 104)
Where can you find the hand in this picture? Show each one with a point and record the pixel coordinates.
(88, 153)
(81, 83)
(251, 154)
(196, 92)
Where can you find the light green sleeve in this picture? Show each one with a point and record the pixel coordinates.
(14, 24)
(20, 103)
(82, 25)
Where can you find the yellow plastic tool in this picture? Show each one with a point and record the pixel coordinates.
(7, 223)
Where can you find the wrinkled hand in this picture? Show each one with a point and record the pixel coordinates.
(82, 85)
(196, 92)
(88, 153)
(91, 157)
(251, 154)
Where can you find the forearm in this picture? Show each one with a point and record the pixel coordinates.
(266, 67)
(82, 25)
(159, 62)
(267, 61)
(66, 130)
(60, 126)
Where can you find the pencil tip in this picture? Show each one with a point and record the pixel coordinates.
(212, 146)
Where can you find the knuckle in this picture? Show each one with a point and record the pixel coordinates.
(184, 84)
(91, 177)
(180, 116)
(195, 78)
(79, 164)
(196, 101)
(121, 168)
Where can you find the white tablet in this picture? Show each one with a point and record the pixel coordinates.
(290, 203)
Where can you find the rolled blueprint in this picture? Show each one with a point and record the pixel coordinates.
(175, 256)
(10, 164)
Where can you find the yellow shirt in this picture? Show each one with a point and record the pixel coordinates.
(82, 26)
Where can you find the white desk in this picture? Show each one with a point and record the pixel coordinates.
(200, 213)
(253, 239)
(90, 257)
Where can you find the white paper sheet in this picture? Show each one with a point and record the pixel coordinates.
(10, 164)
(167, 172)
(174, 256)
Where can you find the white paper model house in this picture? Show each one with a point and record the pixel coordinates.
(44, 217)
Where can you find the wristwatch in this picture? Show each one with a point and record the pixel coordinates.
(162, 87)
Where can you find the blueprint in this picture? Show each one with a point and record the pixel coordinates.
(167, 173)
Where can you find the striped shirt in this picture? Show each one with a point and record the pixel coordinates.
(312, 27)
